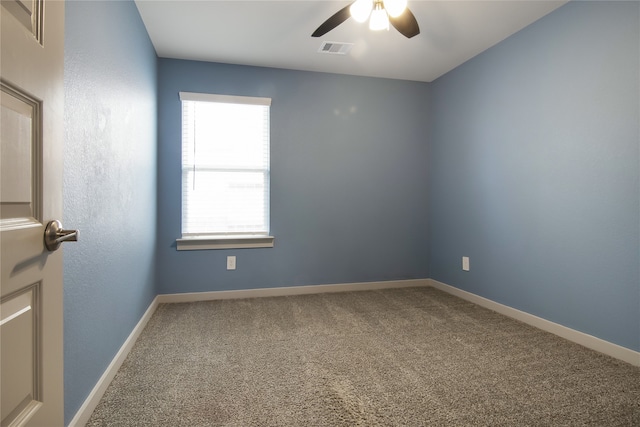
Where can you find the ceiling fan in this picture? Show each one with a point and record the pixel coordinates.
(379, 12)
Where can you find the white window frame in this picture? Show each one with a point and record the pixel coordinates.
(193, 241)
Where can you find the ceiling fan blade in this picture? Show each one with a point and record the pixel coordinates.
(335, 20)
(406, 24)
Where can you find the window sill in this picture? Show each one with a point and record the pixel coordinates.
(233, 242)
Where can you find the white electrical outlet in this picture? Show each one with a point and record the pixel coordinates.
(231, 263)
(465, 263)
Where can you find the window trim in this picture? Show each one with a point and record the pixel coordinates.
(225, 99)
(191, 242)
(194, 243)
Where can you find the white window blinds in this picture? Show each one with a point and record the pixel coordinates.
(225, 165)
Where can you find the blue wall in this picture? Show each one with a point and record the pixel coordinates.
(348, 175)
(534, 171)
(109, 186)
(532, 151)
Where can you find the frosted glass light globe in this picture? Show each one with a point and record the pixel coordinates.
(360, 9)
(379, 20)
(395, 7)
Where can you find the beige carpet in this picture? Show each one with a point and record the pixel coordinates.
(402, 357)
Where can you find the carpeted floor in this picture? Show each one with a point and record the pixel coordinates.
(402, 357)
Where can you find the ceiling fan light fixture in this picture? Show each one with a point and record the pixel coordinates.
(361, 9)
(379, 19)
(395, 7)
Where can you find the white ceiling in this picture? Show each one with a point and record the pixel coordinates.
(278, 34)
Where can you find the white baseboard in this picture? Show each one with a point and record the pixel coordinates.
(292, 290)
(589, 341)
(90, 403)
(586, 340)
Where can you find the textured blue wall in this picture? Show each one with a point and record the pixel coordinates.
(348, 179)
(109, 186)
(534, 171)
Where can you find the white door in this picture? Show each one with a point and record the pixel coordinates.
(31, 147)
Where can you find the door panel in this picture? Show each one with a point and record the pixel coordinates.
(21, 356)
(31, 316)
(29, 13)
(19, 154)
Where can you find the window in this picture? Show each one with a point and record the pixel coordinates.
(225, 172)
